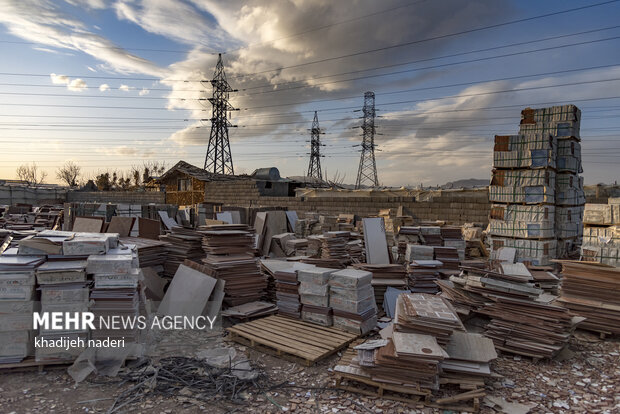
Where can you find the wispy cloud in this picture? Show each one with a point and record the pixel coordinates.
(104, 87)
(77, 85)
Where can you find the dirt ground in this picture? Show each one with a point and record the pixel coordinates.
(586, 378)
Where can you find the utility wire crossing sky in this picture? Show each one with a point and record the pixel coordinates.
(111, 84)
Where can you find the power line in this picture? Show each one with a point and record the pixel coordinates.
(444, 36)
(459, 33)
(432, 67)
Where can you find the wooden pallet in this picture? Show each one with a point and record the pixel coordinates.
(295, 339)
(30, 362)
(409, 394)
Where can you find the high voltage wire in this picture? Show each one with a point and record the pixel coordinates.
(349, 107)
(378, 75)
(444, 36)
(459, 33)
(445, 57)
(429, 67)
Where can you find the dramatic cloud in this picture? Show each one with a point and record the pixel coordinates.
(42, 22)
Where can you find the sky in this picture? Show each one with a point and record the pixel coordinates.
(113, 84)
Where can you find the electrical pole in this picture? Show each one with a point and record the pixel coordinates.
(219, 158)
(314, 168)
(367, 172)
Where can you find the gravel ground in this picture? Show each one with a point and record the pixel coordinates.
(586, 378)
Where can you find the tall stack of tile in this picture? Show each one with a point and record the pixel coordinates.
(115, 292)
(536, 190)
(64, 288)
(601, 233)
(17, 304)
(314, 295)
(352, 300)
(230, 257)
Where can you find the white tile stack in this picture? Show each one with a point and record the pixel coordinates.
(17, 303)
(536, 190)
(352, 299)
(601, 233)
(314, 295)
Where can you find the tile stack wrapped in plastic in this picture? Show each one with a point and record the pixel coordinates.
(601, 233)
(536, 190)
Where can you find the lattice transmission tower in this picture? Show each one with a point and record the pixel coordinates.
(219, 158)
(314, 168)
(367, 171)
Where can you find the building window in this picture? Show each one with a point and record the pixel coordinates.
(184, 184)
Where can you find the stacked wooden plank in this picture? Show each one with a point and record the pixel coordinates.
(423, 275)
(592, 291)
(426, 314)
(230, 257)
(183, 243)
(383, 276)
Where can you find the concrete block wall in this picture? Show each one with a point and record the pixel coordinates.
(456, 207)
(12, 194)
(122, 197)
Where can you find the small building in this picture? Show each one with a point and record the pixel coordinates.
(184, 183)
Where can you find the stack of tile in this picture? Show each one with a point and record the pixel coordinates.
(423, 275)
(419, 252)
(384, 276)
(407, 235)
(183, 243)
(64, 288)
(17, 304)
(545, 280)
(334, 249)
(453, 237)
(356, 251)
(592, 291)
(314, 295)
(287, 293)
(230, 257)
(151, 253)
(431, 235)
(469, 358)
(528, 327)
(536, 188)
(352, 300)
(448, 256)
(408, 358)
(601, 233)
(426, 314)
(115, 293)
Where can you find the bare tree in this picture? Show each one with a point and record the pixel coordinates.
(69, 173)
(337, 180)
(31, 174)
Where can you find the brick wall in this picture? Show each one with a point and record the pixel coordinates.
(455, 206)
